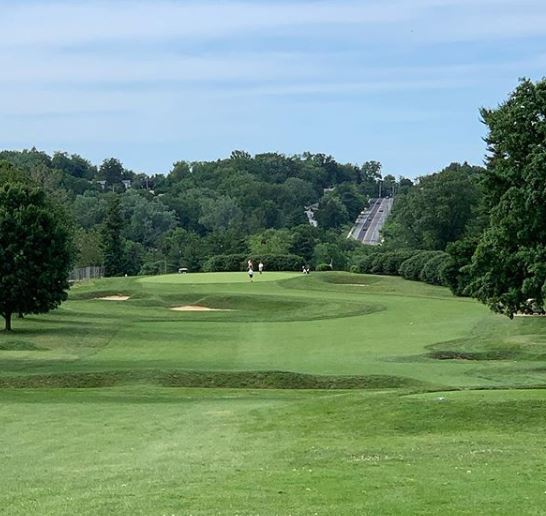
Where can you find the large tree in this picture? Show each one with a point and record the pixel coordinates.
(35, 252)
(508, 270)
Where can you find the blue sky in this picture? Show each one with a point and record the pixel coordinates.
(151, 83)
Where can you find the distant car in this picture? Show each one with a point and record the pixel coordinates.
(380, 209)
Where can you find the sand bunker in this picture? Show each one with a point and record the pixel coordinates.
(198, 308)
(113, 298)
(357, 284)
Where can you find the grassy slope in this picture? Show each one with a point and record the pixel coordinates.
(136, 448)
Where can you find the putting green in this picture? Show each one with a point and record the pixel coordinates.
(217, 277)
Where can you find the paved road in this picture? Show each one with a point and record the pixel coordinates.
(363, 220)
(372, 235)
(369, 224)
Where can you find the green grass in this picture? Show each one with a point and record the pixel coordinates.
(328, 394)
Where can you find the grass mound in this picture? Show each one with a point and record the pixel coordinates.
(19, 345)
(209, 379)
(475, 349)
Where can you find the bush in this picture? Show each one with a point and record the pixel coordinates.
(238, 262)
(152, 268)
(323, 267)
(412, 267)
(225, 263)
(393, 259)
(364, 264)
(432, 270)
(382, 262)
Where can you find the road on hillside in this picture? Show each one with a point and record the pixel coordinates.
(372, 236)
(369, 223)
(363, 220)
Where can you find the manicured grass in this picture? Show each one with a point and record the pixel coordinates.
(103, 410)
(142, 450)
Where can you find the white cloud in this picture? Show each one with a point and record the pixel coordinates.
(154, 71)
(87, 22)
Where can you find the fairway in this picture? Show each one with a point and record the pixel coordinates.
(332, 393)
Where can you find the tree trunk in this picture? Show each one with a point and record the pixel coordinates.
(7, 317)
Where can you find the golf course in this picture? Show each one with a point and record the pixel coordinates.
(329, 393)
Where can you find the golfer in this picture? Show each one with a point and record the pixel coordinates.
(250, 273)
(260, 267)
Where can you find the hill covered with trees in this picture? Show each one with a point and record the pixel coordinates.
(244, 205)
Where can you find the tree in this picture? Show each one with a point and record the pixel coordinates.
(329, 254)
(508, 270)
(145, 218)
(111, 171)
(182, 248)
(304, 239)
(220, 213)
(271, 241)
(112, 242)
(351, 198)
(73, 165)
(439, 209)
(35, 252)
(332, 213)
(89, 247)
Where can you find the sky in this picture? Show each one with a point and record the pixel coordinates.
(154, 82)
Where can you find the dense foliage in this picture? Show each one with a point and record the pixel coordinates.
(417, 265)
(35, 251)
(508, 269)
(441, 208)
(243, 205)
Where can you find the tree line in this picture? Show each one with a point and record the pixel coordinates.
(479, 230)
(134, 223)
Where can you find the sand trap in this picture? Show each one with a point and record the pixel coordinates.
(113, 298)
(529, 315)
(198, 308)
(355, 284)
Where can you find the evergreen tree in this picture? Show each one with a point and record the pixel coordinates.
(112, 242)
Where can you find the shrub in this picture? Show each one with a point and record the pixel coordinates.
(393, 259)
(412, 267)
(275, 262)
(364, 264)
(432, 270)
(225, 263)
(323, 267)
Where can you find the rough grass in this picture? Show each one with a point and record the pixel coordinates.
(210, 379)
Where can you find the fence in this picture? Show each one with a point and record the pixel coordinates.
(86, 273)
